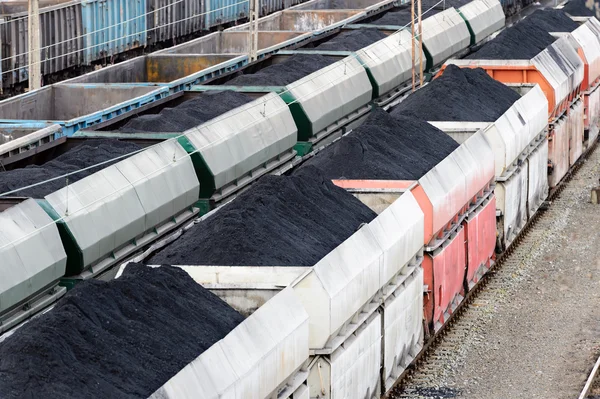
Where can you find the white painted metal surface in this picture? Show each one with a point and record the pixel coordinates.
(399, 232)
(254, 360)
(31, 251)
(558, 150)
(484, 16)
(340, 289)
(537, 181)
(476, 159)
(332, 92)
(352, 371)
(576, 128)
(389, 61)
(242, 139)
(402, 327)
(589, 42)
(593, 104)
(511, 200)
(126, 199)
(445, 34)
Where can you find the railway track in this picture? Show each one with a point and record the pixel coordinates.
(447, 348)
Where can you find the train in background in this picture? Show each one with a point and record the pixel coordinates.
(78, 36)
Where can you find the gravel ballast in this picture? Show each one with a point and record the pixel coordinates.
(282, 221)
(119, 339)
(188, 114)
(85, 155)
(284, 73)
(385, 147)
(352, 40)
(459, 94)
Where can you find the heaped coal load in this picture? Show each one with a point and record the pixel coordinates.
(352, 40)
(580, 8)
(551, 20)
(188, 114)
(461, 95)
(281, 221)
(401, 16)
(284, 73)
(119, 339)
(385, 148)
(519, 42)
(85, 155)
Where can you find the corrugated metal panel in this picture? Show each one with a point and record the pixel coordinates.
(220, 12)
(169, 21)
(484, 17)
(239, 141)
(558, 150)
(480, 232)
(121, 204)
(31, 251)
(576, 123)
(476, 159)
(355, 365)
(399, 231)
(590, 44)
(270, 6)
(511, 200)
(403, 327)
(389, 61)
(592, 114)
(331, 94)
(562, 67)
(112, 27)
(444, 35)
(60, 33)
(537, 166)
(444, 272)
(253, 360)
(339, 286)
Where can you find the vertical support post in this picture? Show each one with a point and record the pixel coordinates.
(254, 9)
(420, 46)
(35, 66)
(412, 40)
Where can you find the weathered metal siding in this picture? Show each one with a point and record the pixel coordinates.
(61, 41)
(169, 20)
(219, 12)
(112, 27)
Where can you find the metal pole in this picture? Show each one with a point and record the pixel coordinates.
(412, 31)
(35, 66)
(254, 6)
(420, 47)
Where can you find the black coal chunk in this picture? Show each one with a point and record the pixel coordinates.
(85, 155)
(188, 114)
(401, 16)
(119, 339)
(519, 42)
(460, 94)
(284, 73)
(551, 20)
(282, 221)
(579, 8)
(352, 40)
(385, 147)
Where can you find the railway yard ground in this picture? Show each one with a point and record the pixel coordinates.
(534, 329)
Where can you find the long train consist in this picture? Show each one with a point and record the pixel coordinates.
(76, 35)
(437, 232)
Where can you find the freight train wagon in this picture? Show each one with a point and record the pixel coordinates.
(75, 35)
(147, 201)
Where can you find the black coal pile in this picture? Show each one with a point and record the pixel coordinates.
(352, 40)
(522, 41)
(188, 114)
(119, 339)
(401, 16)
(551, 20)
(579, 8)
(385, 147)
(282, 221)
(284, 73)
(82, 156)
(460, 94)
